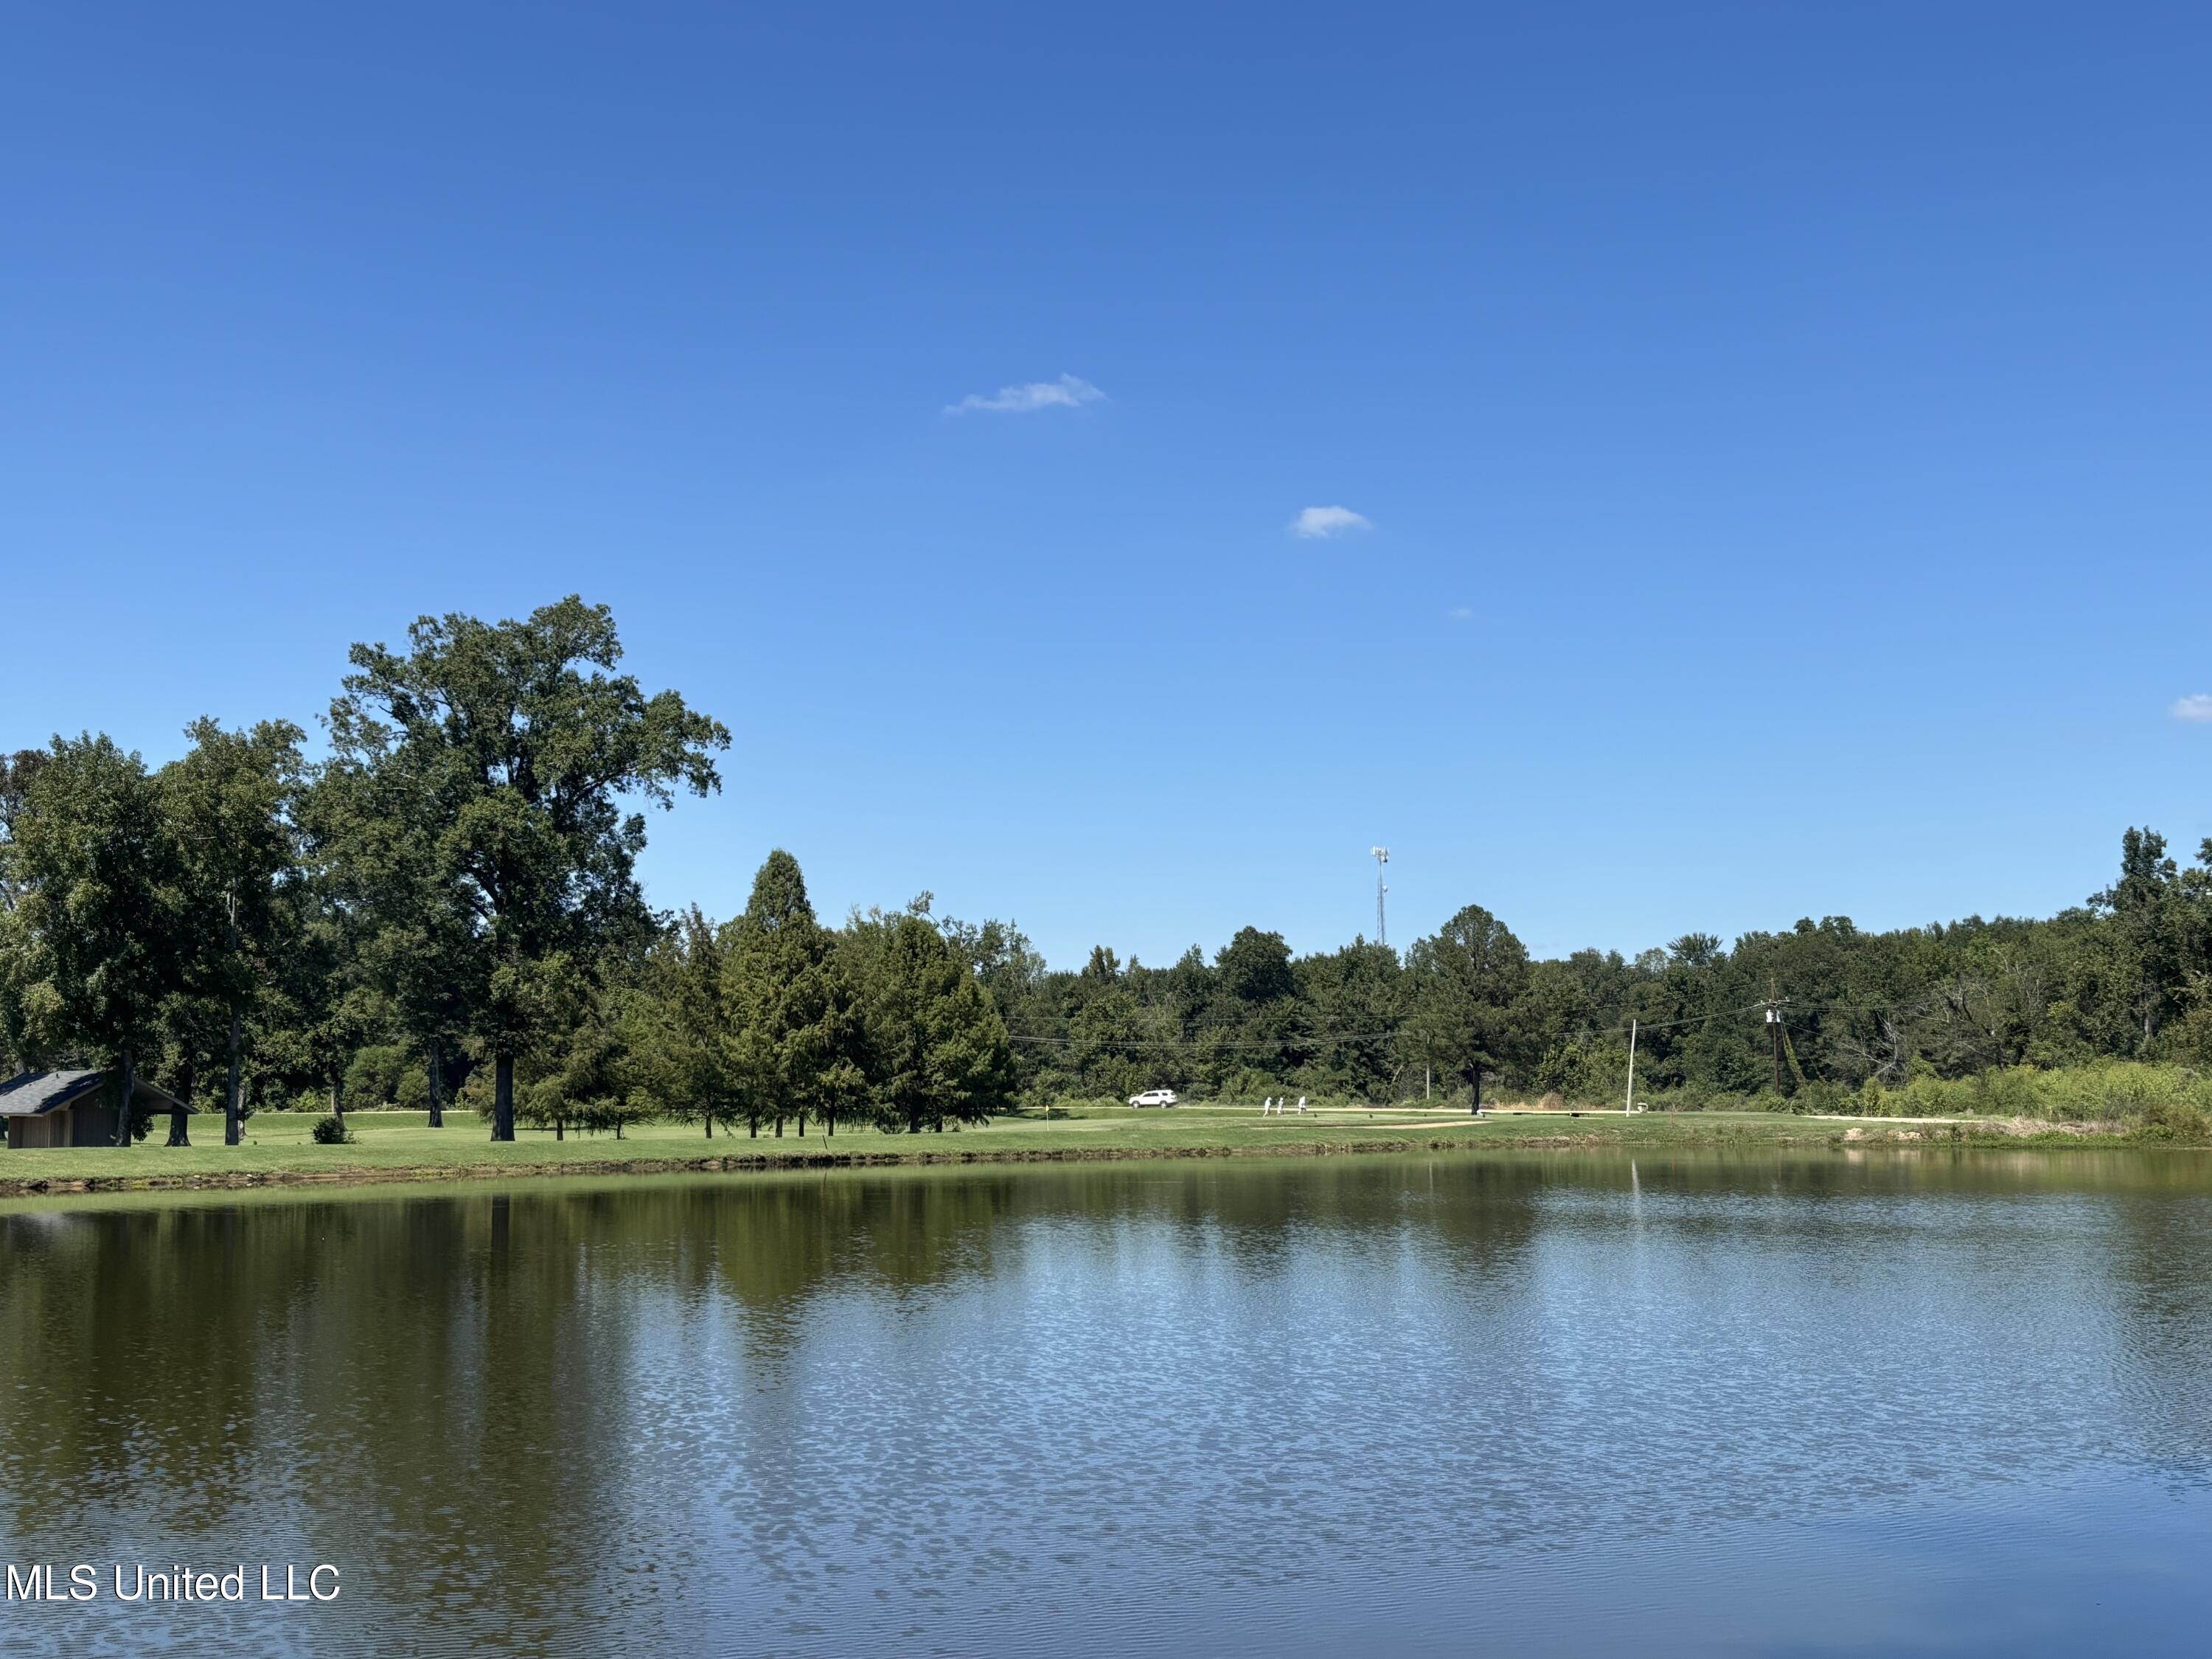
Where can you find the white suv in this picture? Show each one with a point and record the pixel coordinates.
(1154, 1097)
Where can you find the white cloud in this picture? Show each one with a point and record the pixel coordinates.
(1461, 612)
(2198, 707)
(1065, 392)
(1319, 523)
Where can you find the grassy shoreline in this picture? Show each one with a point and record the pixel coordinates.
(399, 1146)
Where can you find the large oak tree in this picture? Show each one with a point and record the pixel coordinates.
(522, 751)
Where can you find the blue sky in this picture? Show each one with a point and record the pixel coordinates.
(1779, 434)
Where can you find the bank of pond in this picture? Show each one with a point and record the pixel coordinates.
(285, 1148)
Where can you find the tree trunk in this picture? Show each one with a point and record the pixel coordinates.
(129, 1081)
(831, 1120)
(710, 1116)
(338, 1098)
(779, 1128)
(802, 1126)
(618, 1129)
(560, 1128)
(233, 1116)
(753, 1124)
(437, 1083)
(179, 1135)
(502, 1097)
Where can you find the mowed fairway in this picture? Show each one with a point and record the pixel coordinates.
(401, 1145)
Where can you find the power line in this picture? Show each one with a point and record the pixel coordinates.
(1687, 1019)
(1332, 1034)
(1329, 1035)
(1194, 1031)
(1154, 1043)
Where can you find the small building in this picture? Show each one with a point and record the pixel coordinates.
(70, 1108)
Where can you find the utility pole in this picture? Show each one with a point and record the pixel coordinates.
(1381, 856)
(1629, 1107)
(1774, 1031)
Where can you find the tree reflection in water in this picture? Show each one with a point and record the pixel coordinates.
(831, 1409)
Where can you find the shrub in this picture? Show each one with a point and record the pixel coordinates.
(373, 1076)
(1247, 1083)
(2175, 1119)
(475, 1094)
(1823, 1097)
(2101, 1092)
(332, 1131)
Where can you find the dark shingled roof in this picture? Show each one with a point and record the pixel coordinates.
(28, 1094)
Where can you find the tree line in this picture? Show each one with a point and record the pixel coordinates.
(447, 905)
(444, 906)
(2126, 976)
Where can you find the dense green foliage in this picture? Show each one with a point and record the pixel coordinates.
(446, 908)
(801, 1040)
(97, 935)
(1905, 1020)
(499, 757)
(239, 854)
(448, 904)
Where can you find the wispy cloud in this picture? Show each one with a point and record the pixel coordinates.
(1068, 391)
(2198, 707)
(1461, 612)
(1319, 523)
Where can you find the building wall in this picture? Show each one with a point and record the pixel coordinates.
(90, 1126)
(50, 1129)
(85, 1124)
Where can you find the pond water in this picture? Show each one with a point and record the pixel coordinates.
(1955, 1403)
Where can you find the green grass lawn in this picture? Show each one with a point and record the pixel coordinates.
(389, 1145)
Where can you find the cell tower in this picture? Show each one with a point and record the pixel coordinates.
(1381, 856)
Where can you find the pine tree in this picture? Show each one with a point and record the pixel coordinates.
(693, 1065)
(1470, 986)
(937, 1048)
(798, 1031)
(598, 1077)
